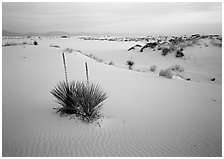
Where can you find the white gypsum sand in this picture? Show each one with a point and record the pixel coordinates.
(145, 115)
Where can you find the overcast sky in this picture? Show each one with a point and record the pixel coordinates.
(135, 18)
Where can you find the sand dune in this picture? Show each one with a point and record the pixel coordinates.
(145, 115)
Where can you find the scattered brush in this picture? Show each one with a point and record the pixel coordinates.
(78, 51)
(111, 63)
(53, 45)
(179, 53)
(165, 51)
(14, 44)
(9, 44)
(153, 68)
(81, 99)
(35, 43)
(94, 57)
(69, 50)
(177, 68)
(166, 73)
(217, 43)
(130, 64)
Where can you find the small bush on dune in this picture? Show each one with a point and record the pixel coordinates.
(69, 50)
(82, 99)
(130, 64)
(9, 44)
(111, 63)
(179, 53)
(153, 68)
(178, 68)
(166, 73)
(95, 58)
(165, 51)
(78, 51)
(35, 43)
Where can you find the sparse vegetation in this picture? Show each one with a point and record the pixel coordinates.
(111, 63)
(53, 45)
(217, 43)
(179, 53)
(9, 44)
(153, 68)
(95, 58)
(14, 44)
(166, 73)
(69, 50)
(80, 99)
(177, 68)
(35, 43)
(130, 64)
(165, 51)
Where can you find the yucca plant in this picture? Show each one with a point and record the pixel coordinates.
(89, 98)
(82, 99)
(63, 92)
(130, 64)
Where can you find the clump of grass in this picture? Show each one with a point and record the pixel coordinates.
(9, 44)
(217, 43)
(35, 43)
(111, 63)
(78, 51)
(81, 99)
(95, 58)
(165, 51)
(53, 45)
(130, 64)
(166, 73)
(153, 68)
(179, 54)
(24, 43)
(69, 50)
(178, 68)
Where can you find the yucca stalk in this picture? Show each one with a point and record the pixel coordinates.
(87, 75)
(64, 62)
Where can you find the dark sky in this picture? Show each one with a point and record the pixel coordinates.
(98, 17)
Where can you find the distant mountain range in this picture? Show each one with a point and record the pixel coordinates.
(53, 33)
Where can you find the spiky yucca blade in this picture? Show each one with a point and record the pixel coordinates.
(79, 98)
(63, 93)
(89, 97)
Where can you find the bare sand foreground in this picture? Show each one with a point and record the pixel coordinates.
(145, 114)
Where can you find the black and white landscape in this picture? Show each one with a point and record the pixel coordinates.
(112, 79)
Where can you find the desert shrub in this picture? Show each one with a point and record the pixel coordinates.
(35, 43)
(179, 53)
(78, 51)
(153, 68)
(81, 99)
(95, 58)
(178, 68)
(166, 73)
(69, 50)
(165, 51)
(130, 64)
(24, 43)
(9, 44)
(111, 63)
(217, 43)
(53, 45)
